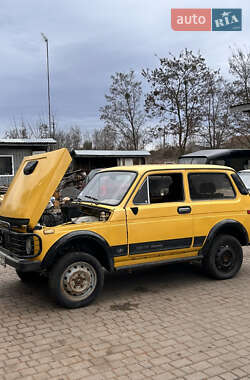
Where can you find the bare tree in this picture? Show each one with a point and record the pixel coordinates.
(123, 113)
(71, 139)
(23, 129)
(177, 95)
(61, 139)
(158, 134)
(87, 141)
(218, 121)
(18, 132)
(75, 137)
(104, 138)
(239, 67)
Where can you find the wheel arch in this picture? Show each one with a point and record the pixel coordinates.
(226, 227)
(87, 241)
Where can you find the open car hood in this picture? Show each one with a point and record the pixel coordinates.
(34, 183)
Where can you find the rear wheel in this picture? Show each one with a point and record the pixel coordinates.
(225, 257)
(76, 279)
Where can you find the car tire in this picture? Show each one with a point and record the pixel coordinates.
(28, 277)
(224, 259)
(76, 280)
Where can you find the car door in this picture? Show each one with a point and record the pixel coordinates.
(159, 220)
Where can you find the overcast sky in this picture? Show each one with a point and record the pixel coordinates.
(88, 41)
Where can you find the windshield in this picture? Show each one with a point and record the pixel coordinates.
(107, 187)
(246, 179)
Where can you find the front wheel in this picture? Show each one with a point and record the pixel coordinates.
(225, 257)
(76, 279)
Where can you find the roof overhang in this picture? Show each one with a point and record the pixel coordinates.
(245, 107)
(109, 153)
(218, 153)
(27, 142)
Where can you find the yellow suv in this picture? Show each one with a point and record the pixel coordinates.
(126, 217)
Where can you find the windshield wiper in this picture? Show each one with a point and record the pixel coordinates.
(92, 198)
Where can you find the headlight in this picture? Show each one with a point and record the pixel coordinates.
(29, 246)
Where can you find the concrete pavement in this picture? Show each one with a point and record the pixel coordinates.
(170, 322)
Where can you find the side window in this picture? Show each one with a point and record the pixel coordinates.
(210, 186)
(161, 188)
(142, 194)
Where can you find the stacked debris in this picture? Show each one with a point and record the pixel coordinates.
(71, 184)
(3, 189)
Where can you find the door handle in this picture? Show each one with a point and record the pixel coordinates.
(184, 210)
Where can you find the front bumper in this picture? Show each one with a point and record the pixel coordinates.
(24, 265)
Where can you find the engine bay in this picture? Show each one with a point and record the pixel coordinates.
(74, 212)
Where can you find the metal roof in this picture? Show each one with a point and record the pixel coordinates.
(206, 152)
(216, 153)
(110, 153)
(27, 141)
(244, 107)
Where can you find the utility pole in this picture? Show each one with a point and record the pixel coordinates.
(48, 80)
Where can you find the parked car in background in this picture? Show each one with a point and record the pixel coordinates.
(245, 176)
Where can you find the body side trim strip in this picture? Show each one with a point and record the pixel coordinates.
(198, 241)
(160, 245)
(119, 250)
(157, 246)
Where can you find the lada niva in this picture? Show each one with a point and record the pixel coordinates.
(125, 217)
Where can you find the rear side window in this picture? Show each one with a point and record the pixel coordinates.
(204, 186)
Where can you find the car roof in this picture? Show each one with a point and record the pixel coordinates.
(154, 167)
(244, 171)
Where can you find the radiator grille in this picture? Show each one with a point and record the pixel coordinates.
(15, 242)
